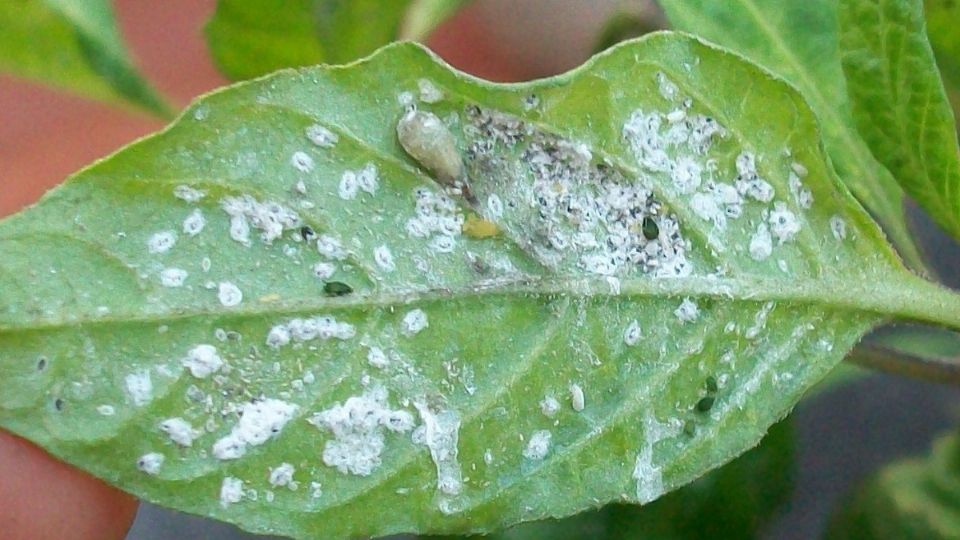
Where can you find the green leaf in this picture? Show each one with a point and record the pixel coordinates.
(942, 18)
(330, 272)
(249, 38)
(75, 45)
(913, 499)
(733, 502)
(423, 16)
(899, 102)
(799, 42)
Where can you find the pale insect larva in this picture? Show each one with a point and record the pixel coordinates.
(424, 136)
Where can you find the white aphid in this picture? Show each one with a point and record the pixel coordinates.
(631, 335)
(331, 247)
(538, 446)
(838, 227)
(783, 223)
(139, 387)
(688, 311)
(324, 270)
(259, 422)
(180, 431)
(106, 410)
(549, 406)
(377, 358)
(368, 179)
(202, 361)
(414, 322)
(194, 223)
(150, 463)
(161, 242)
(384, 258)
(429, 93)
(229, 294)
(425, 137)
(761, 243)
(301, 161)
(282, 475)
(269, 217)
(322, 136)
(231, 491)
(188, 194)
(577, 399)
(173, 277)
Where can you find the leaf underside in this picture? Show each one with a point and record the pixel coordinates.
(899, 101)
(75, 45)
(799, 41)
(431, 360)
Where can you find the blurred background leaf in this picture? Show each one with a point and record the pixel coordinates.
(249, 38)
(912, 499)
(943, 16)
(74, 45)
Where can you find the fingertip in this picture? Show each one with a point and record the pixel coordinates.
(42, 498)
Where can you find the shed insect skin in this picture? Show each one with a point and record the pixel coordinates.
(426, 139)
(337, 288)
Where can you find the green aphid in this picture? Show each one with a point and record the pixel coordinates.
(705, 404)
(336, 288)
(649, 228)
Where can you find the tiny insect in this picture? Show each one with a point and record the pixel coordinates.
(336, 288)
(650, 228)
(711, 384)
(306, 232)
(58, 404)
(705, 404)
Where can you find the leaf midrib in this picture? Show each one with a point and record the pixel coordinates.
(908, 298)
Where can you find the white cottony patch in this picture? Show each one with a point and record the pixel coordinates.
(173, 277)
(429, 93)
(259, 422)
(377, 358)
(188, 194)
(405, 98)
(549, 406)
(322, 136)
(783, 223)
(538, 446)
(577, 399)
(349, 186)
(151, 463)
(443, 244)
(384, 258)
(646, 472)
(687, 174)
(194, 223)
(302, 161)
(436, 214)
(180, 431)
(231, 491)
(716, 203)
(838, 227)
(414, 322)
(282, 475)
(229, 294)
(761, 243)
(687, 311)
(441, 435)
(270, 218)
(358, 427)
(139, 387)
(368, 179)
(801, 194)
(323, 327)
(759, 321)
(324, 270)
(631, 335)
(331, 247)
(202, 361)
(161, 242)
(106, 410)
